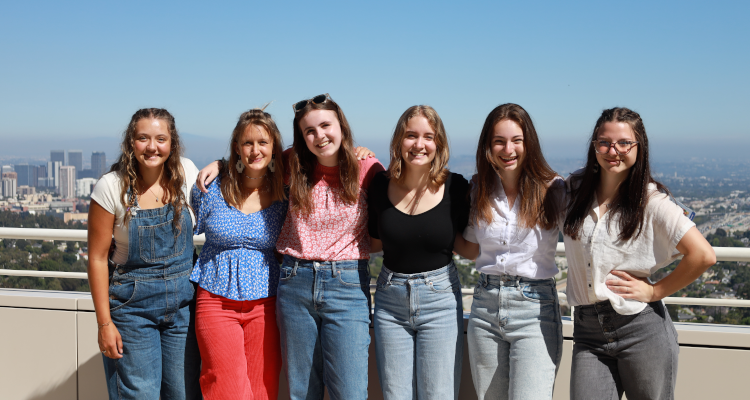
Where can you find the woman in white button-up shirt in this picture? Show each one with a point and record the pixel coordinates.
(619, 229)
(514, 332)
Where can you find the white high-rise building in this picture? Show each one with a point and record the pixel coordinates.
(84, 186)
(8, 184)
(67, 182)
(53, 174)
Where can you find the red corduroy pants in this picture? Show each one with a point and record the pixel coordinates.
(239, 345)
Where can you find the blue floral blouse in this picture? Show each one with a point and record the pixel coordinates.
(237, 261)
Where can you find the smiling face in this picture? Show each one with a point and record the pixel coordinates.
(611, 162)
(508, 149)
(418, 144)
(255, 149)
(151, 142)
(322, 133)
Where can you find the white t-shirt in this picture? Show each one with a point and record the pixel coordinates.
(598, 251)
(507, 248)
(108, 194)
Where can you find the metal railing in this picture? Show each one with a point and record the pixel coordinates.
(722, 254)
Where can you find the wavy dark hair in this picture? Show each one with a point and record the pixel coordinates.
(438, 171)
(230, 185)
(539, 199)
(302, 161)
(173, 177)
(629, 204)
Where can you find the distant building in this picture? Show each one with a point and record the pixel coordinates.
(83, 217)
(6, 168)
(28, 175)
(26, 190)
(57, 156)
(86, 173)
(98, 163)
(84, 186)
(75, 158)
(67, 182)
(53, 174)
(9, 184)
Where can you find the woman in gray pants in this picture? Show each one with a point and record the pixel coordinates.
(620, 228)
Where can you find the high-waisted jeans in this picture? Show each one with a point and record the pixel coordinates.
(419, 334)
(515, 337)
(323, 312)
(613, 353)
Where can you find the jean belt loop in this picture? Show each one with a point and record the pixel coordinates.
(390, 275)
(518, 281)
(294, 270)
(483, 279)
(333, 268)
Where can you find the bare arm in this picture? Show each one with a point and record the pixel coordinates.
(101, 225)
(465, 248)
(698, 257)
(376, 245)
(207, 175)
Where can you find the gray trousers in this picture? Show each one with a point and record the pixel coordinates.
(613, 353)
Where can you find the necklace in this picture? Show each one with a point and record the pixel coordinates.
(152, 192)
(260, 177)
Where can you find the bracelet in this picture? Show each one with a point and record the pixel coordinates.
(104, 324)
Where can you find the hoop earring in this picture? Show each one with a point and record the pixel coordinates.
(239, 166)
(272, 164)
(596, 168)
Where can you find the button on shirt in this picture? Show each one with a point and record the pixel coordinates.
(598, 252)
(508, 248)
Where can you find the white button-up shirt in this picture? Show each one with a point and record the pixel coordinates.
(599, 251)
(508, 248)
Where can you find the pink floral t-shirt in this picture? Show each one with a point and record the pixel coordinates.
(334, 230)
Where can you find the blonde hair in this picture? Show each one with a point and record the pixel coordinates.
(438, 171)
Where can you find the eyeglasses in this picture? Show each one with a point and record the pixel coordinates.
(321, 98)
(622, 147)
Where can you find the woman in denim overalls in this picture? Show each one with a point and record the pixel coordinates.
(143, 317)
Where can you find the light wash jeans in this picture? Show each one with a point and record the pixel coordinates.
(515, 337)
(419, 334)
(323, 312)
(613, 353)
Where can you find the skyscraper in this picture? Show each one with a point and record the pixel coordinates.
(68, 182)
(57, 155)
(75, 158)
(53, 174)
(28, 175)
(98, 163)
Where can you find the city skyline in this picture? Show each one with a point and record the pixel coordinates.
(680, 66)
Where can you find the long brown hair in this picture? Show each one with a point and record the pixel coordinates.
(438, 172)
(302, 161)
(173, 177)
(632, 195)
(231, 184)
(539, 200)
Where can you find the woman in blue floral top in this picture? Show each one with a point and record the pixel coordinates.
(237, 272)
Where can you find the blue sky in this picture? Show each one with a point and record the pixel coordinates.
(78, 70)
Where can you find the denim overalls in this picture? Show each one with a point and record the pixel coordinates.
(148, 299)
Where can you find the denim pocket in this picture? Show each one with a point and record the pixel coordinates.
(478, 289)
(382, 283)
(286, 273)
(353, 277)
(121, 293)
(538, 293)
(160, 242)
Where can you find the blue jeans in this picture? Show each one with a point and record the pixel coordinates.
(419, 334)
(515, 337)
(613, 353)
(149, 300)
(323, 312)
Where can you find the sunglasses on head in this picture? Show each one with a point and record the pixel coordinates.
(321, 98)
